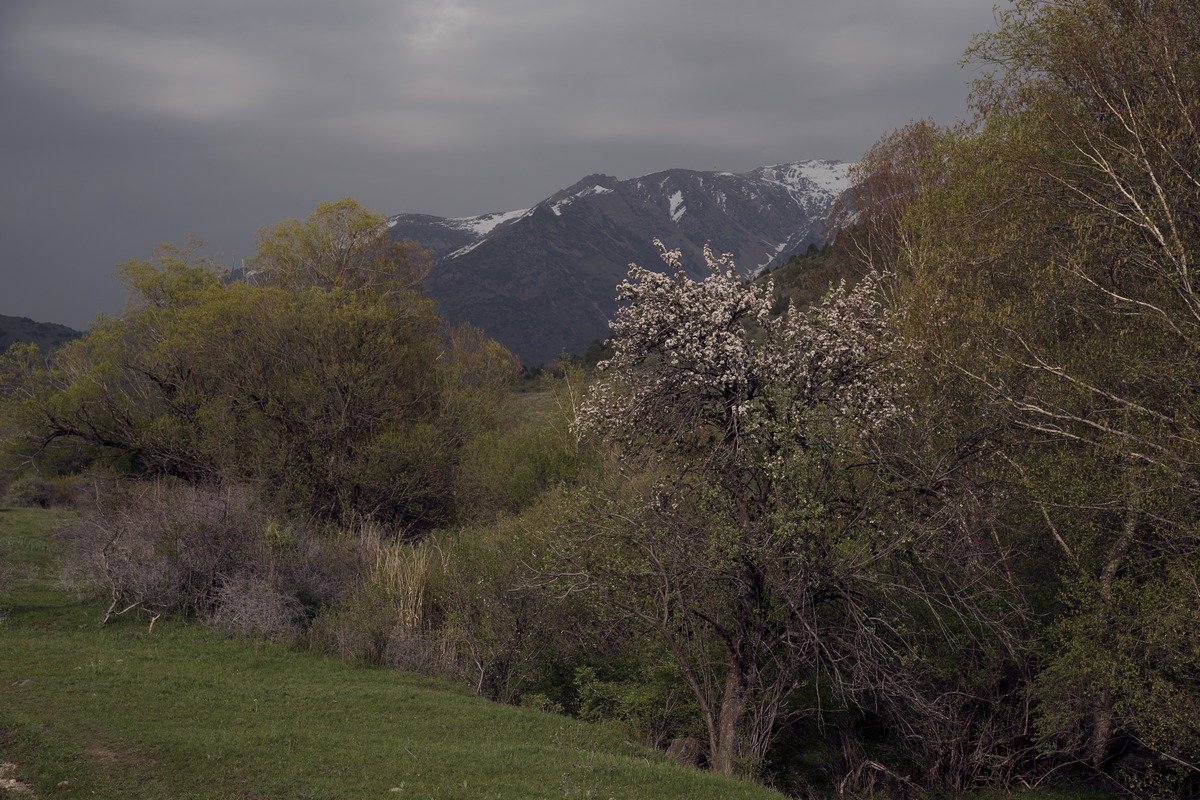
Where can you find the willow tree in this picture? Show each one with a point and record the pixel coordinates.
(342, 245)
(339, 392)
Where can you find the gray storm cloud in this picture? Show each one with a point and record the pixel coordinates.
(133, 122)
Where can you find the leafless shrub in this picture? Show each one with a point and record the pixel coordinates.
(419, 651)
(356, 630)
(165, 547)
(252, 605)
(320, 567)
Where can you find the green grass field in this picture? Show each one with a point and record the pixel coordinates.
(119, 712)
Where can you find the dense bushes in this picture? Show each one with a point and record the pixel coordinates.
(253, 605)
(467, 608)
(1043, 268)
(504, 470)
(386, 617)
(166, 548)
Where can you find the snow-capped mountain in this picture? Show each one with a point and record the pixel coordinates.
(542, 280)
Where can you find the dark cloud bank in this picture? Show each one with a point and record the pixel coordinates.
(132, 122)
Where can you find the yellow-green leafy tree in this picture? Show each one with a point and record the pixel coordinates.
(333, 385)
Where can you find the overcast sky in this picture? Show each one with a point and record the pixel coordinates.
(126, 123)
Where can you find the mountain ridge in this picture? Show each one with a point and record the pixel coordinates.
(542, 280)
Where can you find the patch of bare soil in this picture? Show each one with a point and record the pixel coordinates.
(103, 754)
(9, 784)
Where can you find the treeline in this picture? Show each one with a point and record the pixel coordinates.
(933, 527)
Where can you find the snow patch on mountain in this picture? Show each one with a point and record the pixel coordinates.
(678, 209)
(809, 181)
(771, 257)
(484, 224)
(543, 280)
(566, 201)
(835, 179)
(462, 251)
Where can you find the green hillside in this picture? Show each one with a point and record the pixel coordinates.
(806, 277)
(181, 712)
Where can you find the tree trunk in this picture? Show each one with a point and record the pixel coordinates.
(1103, 713)
(1102, 729)
(724, 740)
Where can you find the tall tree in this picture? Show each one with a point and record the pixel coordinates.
(752, 534)
(342, 245)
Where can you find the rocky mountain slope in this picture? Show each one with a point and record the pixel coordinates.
(542, 280)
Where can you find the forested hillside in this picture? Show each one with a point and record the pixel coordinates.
(46, 335)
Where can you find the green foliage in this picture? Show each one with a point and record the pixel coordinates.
(645, 694)
(340, 396)
(1141, 655)
(1043, 270)
(340, 245)
(806, 277)
(509, 635)
(503, 470)
(997, 585)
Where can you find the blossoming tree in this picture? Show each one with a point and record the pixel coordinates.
(745, 550)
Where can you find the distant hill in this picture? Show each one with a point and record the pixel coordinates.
(46, 335)
(542, 280)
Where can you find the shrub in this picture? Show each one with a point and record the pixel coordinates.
(649, 700)
(419, 651)
(503, 472)
(166, 547)
(508, 632)
(355, 630)
(386, 618)
(252, 605)
(541, 702)
(319, 566)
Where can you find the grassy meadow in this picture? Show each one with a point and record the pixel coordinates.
(181, 712)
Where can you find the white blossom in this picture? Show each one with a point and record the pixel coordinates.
(709, 352)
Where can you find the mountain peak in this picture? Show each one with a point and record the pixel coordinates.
(830, 178)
